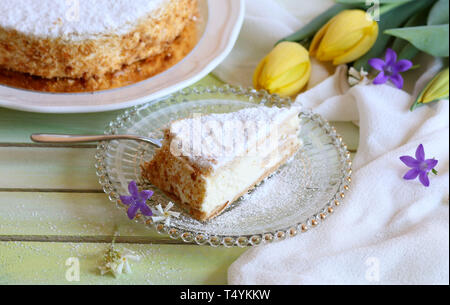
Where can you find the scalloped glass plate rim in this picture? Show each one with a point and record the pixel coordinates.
(202, 238)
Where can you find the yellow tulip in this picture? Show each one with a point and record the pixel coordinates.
(345, 38)
(436, 90)
(284, 71)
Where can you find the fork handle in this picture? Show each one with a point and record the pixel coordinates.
(63, 138)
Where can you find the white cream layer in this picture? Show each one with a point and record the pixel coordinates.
(215, 140)
(233, 180)
(75, 19)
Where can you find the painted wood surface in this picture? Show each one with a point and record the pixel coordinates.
(38, 262)
(52, 208)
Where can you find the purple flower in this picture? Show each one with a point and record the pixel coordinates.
(390, 69)
(137, 201)
(419, 166)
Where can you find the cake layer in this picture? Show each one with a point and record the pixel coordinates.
(103, 36)
(205, 182)
(128, 75)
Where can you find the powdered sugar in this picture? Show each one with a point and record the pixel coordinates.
(74, 19)
(214, 140)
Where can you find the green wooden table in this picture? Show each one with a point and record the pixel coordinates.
(52, 209)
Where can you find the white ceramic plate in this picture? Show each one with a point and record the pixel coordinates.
(223, 21)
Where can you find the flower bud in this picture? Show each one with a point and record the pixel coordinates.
(436, 90)
(345, 38)
(284, 71)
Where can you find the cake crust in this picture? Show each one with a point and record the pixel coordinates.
(59, 57)
(129, 74)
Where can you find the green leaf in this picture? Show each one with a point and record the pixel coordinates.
(439, 13)
(389, 20)
(431, 39)
(308, 31)
(400, 45)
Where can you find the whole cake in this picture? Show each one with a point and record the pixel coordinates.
(83, 39)
(208, 162)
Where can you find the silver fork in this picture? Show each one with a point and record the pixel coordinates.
(66, 139)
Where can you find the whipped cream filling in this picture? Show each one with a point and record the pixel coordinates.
(75, 19)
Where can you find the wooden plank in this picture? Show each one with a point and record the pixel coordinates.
(45, 263)
(59, 215)
(48, 168)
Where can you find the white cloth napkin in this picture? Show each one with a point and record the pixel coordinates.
(389, 231)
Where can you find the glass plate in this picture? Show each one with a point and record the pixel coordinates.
(298, 197)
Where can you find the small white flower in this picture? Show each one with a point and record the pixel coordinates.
(117, 262)
(164, 214)
(356, 77)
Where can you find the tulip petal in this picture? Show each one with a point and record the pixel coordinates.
(257, 74)
(283, 57)
(332, 47)
(286, 79)
(420, 153)
(437, 89)
(348, 29)
(317, 40)
(423, 177)
(397, 80)
(377, 64)
(297, 86)
(380, 79)
(360, 49)
(412, 174)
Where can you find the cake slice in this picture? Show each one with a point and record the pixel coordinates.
(87, 39)
(208, 162)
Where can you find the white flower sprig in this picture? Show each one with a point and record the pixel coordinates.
(164, 214)
(356, 77)
(116, 262)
